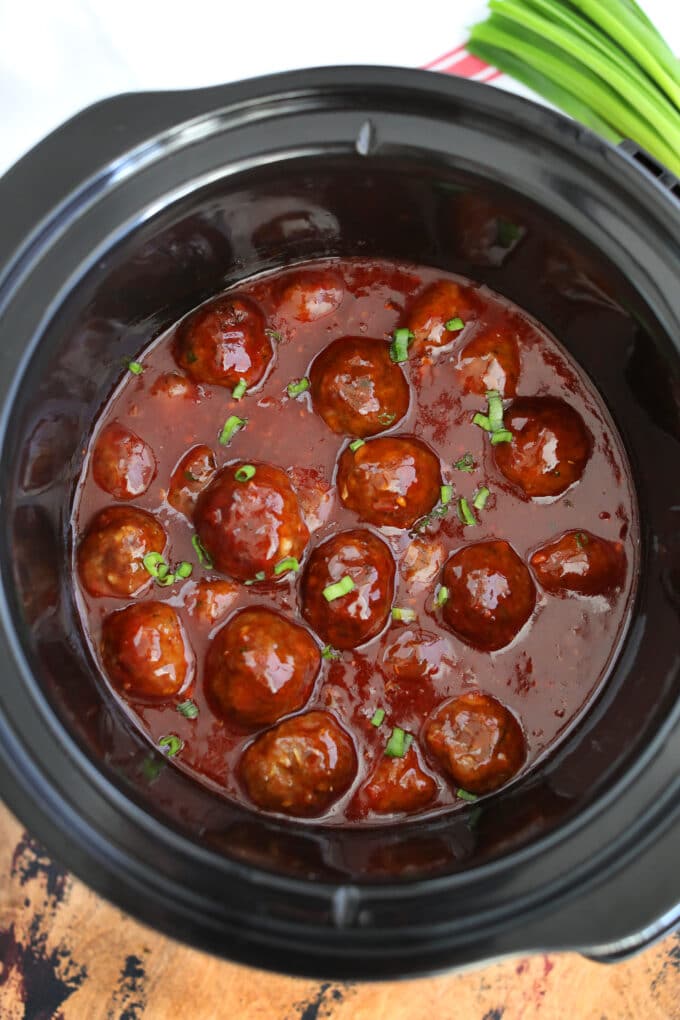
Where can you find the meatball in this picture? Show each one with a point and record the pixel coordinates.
(223, 342)
(477, 741)
(259, 667)
(356, 617)
(301, 766)
(209, 600)
(399, 785)
(122, 464)
(310, 294)
(437, 305)
(248, 527)
(416, 656)
(175, 387)
(490, 594)
(357, 388)
(550, 446)
(144, 651)
(195, 470)
(580, 562)
(111, 553)
(489, 362)
(391, 481)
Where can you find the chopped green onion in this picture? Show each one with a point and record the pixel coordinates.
(190, 476)
(290, 563)
(386, 417)
(188, 709)
(135, 367)
(153, 561)
(398, 745)
(204, 557)
(190, 357)
(377, 717)
(274, 334)
(404, 615)
(328, 652)
(466, 462)
(342, 587)
(465, 514)
(166, 581)
(482, 421)
(400, 345)
(464, 795)
(502, 436)
(163, 570)
(245, 473)
(184, 570)
(445, 494)
(239, 389)
(442, 596)
(479, 502)
(495, 410)
(152, 768)
(453, 325)
(171, 744)
(356, 444)
(230, 428)
(507, 233)
(581, 539)
(294, 389)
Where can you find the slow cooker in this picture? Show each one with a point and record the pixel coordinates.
(137, 210)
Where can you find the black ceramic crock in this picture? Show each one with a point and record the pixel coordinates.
(138, 209)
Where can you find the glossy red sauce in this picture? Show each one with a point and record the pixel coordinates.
(544, 677)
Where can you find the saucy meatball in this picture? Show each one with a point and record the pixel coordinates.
(437, 305)
(194, 471)
(391, 481)
(223, 342)
(301, 766)
(550, 446)
(112, 551)
(260, 666)
(355, 617)
(490, 594)
(311, 294)
(248, 527)
(209, 600)
(122, 464)
(144, 651)
(175, 387)
(489, 362)
(477, 741)
(356, 387)
(399, 785)
(580, 562)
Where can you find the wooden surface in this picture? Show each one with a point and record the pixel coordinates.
(65, 954)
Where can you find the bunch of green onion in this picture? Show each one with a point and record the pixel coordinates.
(601, 61)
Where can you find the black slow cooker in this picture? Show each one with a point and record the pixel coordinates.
(140, 208)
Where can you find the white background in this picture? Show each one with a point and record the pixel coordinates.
(58, 56)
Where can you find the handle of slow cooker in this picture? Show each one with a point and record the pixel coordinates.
(651, 166)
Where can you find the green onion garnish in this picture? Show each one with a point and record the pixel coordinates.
(190, 357)
(184, 570)
(151, 768)
(328, 652)
(188, 709)
(507, 233)
(445, 494)
(581, 539)
(466, 462)
(482, 421)
(239, 389)
(404, 615)
(290, 563)
(162, 571)
(400, 345)
(294, 389)
(465, 514)
(479, 502)
(398, 744)
(274, 335)
(377, 717)
(154, 563)
(342, 587)
(230, 428)
(166, 581)
(356, 444)
(453, 325)
(135, 367)
(245, 473)
(464, 795)
(442, 596)
(204, 557)
(502, 436)
(171, 744)
(495, 410)
(386, 417)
